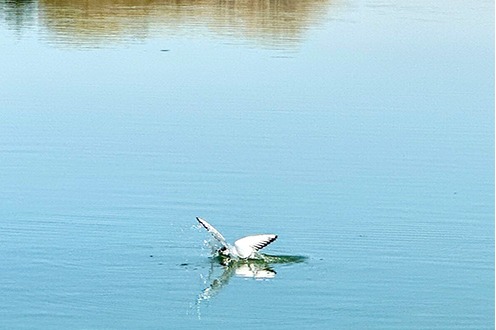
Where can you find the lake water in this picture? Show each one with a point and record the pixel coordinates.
(361, 132)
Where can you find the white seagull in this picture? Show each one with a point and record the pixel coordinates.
(244, 248)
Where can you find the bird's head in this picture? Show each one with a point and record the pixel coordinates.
(224, 251)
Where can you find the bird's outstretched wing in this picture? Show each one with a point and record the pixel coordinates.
(215, 233)
(246, 246)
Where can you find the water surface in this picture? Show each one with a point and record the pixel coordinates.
(362, 133)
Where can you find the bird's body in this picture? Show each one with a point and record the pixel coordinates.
(244, 248)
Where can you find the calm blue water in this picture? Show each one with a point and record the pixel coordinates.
(361, 132)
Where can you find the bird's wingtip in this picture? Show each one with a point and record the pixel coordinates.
(202, 222)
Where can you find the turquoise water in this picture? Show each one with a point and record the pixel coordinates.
(360, 132)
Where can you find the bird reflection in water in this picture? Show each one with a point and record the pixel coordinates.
(258, 269)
